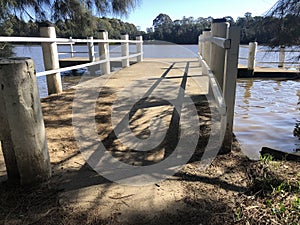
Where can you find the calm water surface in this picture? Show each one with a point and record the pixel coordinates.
(266, 110)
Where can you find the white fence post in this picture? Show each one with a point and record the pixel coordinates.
(104, 52)
(139, 48)
(217, 57)
(91, 49)
(229, 86)
(281, 56)
(251, 57)
(71, 48)
(22, 130)
(50, 55)
(125, 50)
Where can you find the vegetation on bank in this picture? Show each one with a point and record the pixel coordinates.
(14, 26)
(274, 196)
(264, 30)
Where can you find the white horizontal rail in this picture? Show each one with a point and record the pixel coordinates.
(62, 40)
(221, 42)
(48, 72)
(71, 41)
(78, 52)
(34, 39)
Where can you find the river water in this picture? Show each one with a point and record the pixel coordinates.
(266, 110)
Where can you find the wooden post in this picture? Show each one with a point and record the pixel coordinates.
(139, 48)
(217, 57)
(229, 86)
(281, 56)
(91, 49)
(206, 47)
(22, 130)
(251, 57)
(71, 48)
(206, 50)
(125, 50)
(200, 45)
(50, 55)
(104, 52)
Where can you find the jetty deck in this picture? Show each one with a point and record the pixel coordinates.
(143, 92)
(157, 80)
(267, 72)
(259, 72)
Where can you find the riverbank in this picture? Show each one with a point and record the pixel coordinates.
(233, 190)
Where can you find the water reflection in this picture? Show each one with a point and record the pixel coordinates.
(247, 95)
(266, 114)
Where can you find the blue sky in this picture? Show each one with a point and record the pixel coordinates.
(144, 14)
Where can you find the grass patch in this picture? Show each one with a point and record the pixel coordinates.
(274, 196)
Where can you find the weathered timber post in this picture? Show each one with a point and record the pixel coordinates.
(251, 57)
(22, 130)
(91, 49)
(104, 52)
(50, 55)
(125, 50)
(281, 56)
(205, 53)
(217, 57)
(229, 85)
(139, 48)
(206, 46)
(200, 45)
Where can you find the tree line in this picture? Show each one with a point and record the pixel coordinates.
(78, 19)
(13, 26)
(264, 30)
(269, 30)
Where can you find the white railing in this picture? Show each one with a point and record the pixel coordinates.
(218, 54)
(283, 62)
(49, 44)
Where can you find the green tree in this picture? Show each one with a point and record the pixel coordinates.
(162, 20)
(73, 17)
(63, 9)
(288, 12)
(184, 31)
